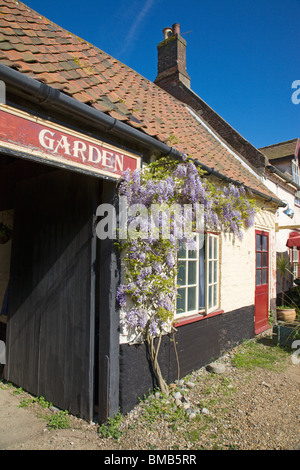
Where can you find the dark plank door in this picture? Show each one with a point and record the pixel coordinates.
(51, 298)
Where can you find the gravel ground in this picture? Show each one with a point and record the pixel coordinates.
(240, 409)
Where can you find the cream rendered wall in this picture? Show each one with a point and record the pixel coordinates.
(282, 219)
(237, 264)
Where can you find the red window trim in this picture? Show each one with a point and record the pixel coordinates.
(196, 317)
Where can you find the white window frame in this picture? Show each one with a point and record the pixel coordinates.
(212, 277)
(294, 260)
(296, 179)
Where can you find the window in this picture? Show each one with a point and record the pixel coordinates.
(198, 277)
(261, 259)
(294, 260)
(296, 178)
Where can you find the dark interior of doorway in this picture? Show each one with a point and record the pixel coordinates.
(16, 173)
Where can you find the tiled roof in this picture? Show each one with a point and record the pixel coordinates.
(40, 49)
(282, 149)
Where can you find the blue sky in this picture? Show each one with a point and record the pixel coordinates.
(242, 55)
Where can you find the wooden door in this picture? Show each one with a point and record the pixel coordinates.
(51, 297)
(261, 280)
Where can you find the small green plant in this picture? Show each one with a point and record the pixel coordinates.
(112, 427)
(58, 420)
(284, 268)
(39, 400)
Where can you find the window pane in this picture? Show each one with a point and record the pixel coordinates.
(181, 301)
(264, 243)
(192, 274)
(210, 266)
(264, 276)
(265, 260)
(210, 296)
(258, 260)
(215, 247)
(181, 273)
(215, 271)
(215, 300)
(191, 298)
(258, 277)
(182, 251)
(210, 242)
(258, 242)
(192, 254)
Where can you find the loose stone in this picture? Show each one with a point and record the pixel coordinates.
(190, 385)
(216, 368)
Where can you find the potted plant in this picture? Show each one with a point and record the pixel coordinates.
(284, 312)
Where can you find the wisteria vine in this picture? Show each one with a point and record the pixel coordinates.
(148, 292)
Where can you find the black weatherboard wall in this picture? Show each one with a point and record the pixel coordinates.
(50, 338)
(197, 344)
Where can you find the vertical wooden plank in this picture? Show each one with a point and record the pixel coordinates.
(51, 305)
(108, 396)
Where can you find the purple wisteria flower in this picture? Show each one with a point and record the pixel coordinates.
(121, 295)
(149, 261)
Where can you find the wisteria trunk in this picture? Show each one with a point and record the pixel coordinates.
(154, 359)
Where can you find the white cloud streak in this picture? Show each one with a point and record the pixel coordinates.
(133, 31)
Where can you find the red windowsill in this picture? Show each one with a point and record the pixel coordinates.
(197, 317)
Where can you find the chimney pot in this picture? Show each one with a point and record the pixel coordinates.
(171, 64)
(176, 28)
(167, 32)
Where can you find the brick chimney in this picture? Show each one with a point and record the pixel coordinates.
(171, 68)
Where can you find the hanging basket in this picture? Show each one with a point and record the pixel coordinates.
(5, 233)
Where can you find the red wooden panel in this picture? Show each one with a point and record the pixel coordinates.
(57, 144)
(261, 280)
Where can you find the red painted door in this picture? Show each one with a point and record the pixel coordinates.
(261, 280)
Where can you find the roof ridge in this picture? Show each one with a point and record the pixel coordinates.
(280, 143)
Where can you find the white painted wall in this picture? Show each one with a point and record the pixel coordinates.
(237, 267)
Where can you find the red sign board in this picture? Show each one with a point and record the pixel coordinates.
(40, 140)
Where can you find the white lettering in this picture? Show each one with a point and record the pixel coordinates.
(123, 218)
(295, 358)
(45, 141)
(139, 224)
(115, 460)
(92, 151)
(119, 162)
(107, 156)
(170, 459)
(106, 227)
(79, 147)
(296, 94)
(63, 144)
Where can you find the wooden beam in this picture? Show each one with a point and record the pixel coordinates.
(288, 227)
